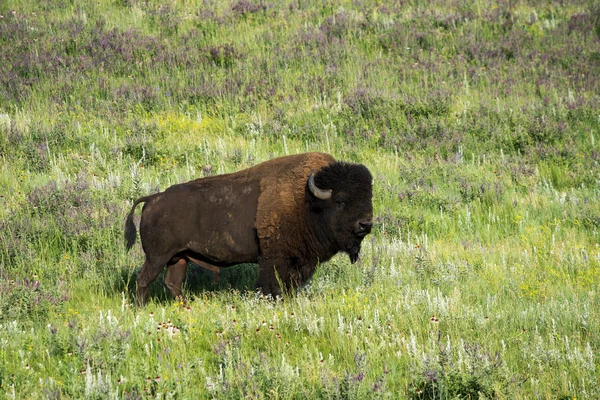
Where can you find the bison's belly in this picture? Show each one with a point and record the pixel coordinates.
(225, 243)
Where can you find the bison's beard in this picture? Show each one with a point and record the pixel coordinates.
(353, 250)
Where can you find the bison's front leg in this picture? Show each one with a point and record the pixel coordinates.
(272, 274)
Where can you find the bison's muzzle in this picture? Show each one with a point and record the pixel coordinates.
(363, 228)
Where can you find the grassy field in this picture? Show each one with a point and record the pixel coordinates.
(480, 123)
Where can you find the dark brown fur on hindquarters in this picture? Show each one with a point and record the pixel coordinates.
(286, 214)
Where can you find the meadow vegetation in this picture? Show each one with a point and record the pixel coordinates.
(480, 123)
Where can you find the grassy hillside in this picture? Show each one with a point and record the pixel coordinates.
(479, 121)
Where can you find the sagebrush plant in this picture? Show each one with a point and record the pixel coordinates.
(479, 121)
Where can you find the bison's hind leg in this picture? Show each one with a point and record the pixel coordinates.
(175, 274)
(145, 277)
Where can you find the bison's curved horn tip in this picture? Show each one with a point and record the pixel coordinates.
(318, 193)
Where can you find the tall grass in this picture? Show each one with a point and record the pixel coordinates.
(479, 121)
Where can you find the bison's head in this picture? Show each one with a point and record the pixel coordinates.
(340, 197)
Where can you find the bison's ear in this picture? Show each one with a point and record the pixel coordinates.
(316, 191)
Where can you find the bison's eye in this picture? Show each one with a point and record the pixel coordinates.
(340, 202)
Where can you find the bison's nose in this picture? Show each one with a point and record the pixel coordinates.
(364, 228)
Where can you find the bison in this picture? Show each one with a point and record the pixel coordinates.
(287, 214)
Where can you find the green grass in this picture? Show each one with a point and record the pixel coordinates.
(479, 121)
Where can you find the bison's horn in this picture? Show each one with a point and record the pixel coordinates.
(319, 193)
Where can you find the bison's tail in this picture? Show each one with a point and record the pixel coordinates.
(130, 232)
